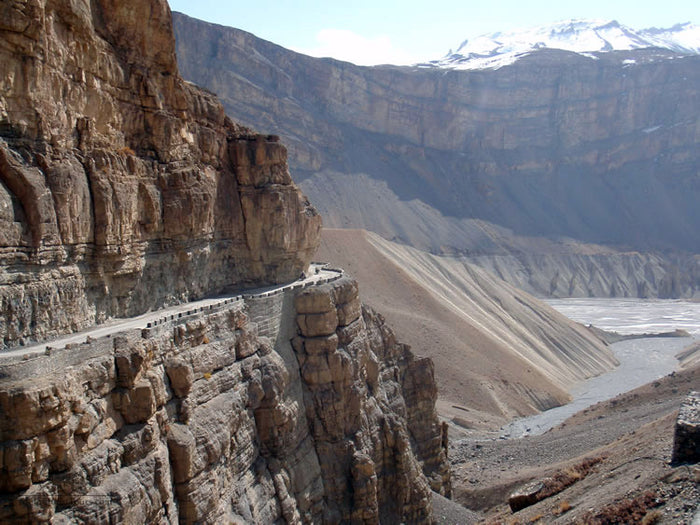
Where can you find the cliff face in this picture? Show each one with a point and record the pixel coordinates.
(123, 187)
(218, 418)
(555, 146)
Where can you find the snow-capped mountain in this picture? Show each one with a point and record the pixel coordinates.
(580, 36)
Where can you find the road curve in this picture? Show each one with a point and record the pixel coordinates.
(318, 273)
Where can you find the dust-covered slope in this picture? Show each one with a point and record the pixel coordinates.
(627, 443)
(541, 267)
(497, 351)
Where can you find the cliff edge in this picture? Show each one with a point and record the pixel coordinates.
(293, 407)
(124, 188)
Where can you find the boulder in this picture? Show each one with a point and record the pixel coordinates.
(686, 439)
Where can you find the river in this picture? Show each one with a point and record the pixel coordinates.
(641, 360)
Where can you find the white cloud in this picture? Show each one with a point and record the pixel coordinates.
(351, 47)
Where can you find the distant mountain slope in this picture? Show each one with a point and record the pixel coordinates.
(536, 265)
(496, 349)
(580, 36)
(558, 146)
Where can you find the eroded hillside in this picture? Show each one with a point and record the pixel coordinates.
(498, 352)
(568, 149)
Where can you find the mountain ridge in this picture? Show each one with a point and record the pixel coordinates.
(582, 36)
(558, 146)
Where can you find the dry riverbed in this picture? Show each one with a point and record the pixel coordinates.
(614, 456)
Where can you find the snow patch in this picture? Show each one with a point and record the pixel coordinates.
(495, 50)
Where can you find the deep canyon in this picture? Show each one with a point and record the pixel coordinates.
(127, 189)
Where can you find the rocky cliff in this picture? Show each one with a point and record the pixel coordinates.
(296, 407)
(599, 150)
(123, 187)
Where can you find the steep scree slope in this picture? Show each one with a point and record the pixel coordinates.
(498, 352)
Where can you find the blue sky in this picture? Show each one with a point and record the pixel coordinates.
(409, 31)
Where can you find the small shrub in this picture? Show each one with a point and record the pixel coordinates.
(207, 375)
(205, 340)
(576, 473)
(564, 479)
(627, 511)
(555, 484)
(651, 517)
(126, 150)
(564, 506)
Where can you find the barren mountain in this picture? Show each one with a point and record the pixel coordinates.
(498, 352)
(599, 149)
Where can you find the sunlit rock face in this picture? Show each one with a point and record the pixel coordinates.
(123, 187)
(296, 407)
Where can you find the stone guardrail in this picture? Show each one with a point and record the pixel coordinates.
(211, 308)
(292, 286)
(73, 353)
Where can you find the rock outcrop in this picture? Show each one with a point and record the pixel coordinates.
(579, 150)
(686, 437)
(219, 418)
(346, 395)
(123, 187)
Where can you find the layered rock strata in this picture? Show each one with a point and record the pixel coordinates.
(218, 418)
(579, 150)
(344, 377)
(122, 187)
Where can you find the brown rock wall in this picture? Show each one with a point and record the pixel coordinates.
(174, 424)
(123, 187)
(359, 387)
